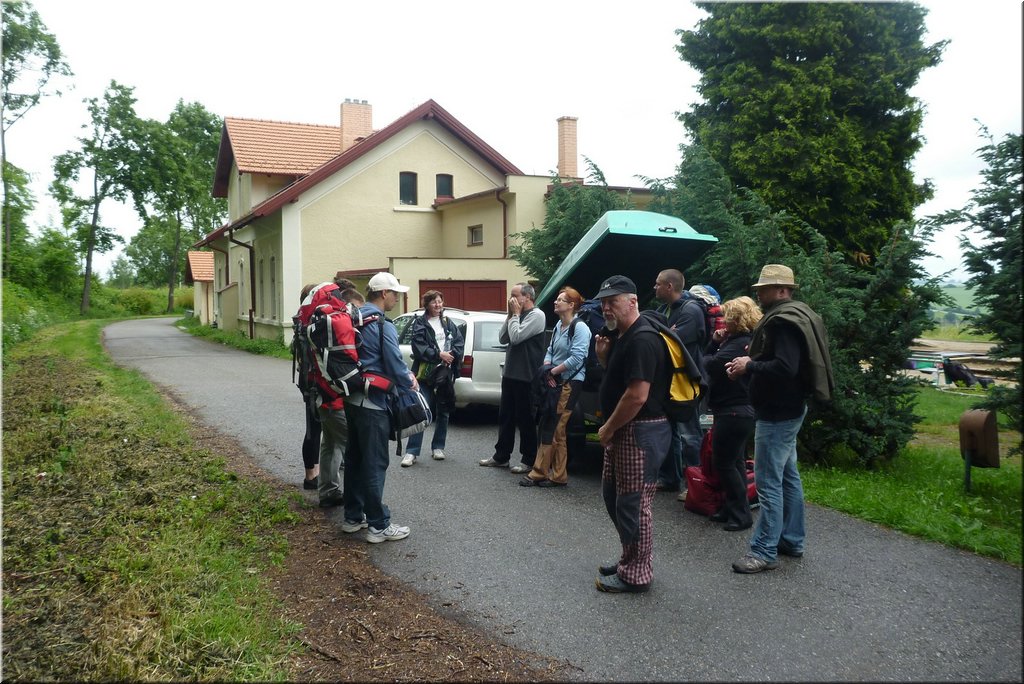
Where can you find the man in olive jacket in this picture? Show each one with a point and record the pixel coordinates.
(789, 360)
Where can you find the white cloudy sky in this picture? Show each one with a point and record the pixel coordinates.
(506, 75)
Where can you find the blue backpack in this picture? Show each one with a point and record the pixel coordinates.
(590, 314)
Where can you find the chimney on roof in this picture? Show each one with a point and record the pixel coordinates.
(567, 147)
(356, 122)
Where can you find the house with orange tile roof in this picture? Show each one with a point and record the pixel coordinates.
(199, 273)
(424, 198)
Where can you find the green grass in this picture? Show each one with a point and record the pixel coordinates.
(129, 553)
(921, 491)
(237, 339)
(955, 333)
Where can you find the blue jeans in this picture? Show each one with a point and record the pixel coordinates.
(778, 488)
(366, 463)
(440, 426)
(683, 451)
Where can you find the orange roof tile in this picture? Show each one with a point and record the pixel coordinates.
(200, 267)
(278, 147)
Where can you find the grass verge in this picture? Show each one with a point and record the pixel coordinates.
(236, 339)
(128, 553)
(921, 491)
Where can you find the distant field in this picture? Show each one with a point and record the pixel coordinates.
(963, 296)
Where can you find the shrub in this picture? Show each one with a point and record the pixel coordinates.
(184, 298)
(137, 301)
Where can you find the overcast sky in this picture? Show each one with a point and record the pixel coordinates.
(506, 76)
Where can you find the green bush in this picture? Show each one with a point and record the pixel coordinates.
(184, 298)
(25, 313)
(138, 301)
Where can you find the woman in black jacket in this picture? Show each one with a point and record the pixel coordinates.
(437, 348)
(729, 402)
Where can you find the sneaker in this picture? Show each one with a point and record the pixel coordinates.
(520, 468)
(408, 460)
(437, 455)
(390, 533)
(349, 527)
(311, 483)
(613, 584)
(332, 501)
(750, 564)
(491, 463)
(682, 496)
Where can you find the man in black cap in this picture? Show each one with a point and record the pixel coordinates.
(635, 434)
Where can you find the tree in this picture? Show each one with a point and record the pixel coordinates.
(121, 274)
(992, 255)
(18, 204)
(171, 191)
(31, 58)
(809, 105)
(571, 209)
(872, 316)
(111, 151)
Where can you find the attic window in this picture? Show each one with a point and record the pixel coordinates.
(445, 185)
(407, 188)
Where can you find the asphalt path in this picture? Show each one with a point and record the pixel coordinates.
(864, 603)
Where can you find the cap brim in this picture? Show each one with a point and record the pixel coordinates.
(400, 288)
(611, 292)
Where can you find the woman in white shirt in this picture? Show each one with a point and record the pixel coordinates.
(436, 340)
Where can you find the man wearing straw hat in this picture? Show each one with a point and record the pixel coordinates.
(789, 360)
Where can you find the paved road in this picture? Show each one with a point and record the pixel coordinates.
(864, 604)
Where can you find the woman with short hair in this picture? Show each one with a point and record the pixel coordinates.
(729, 402)
(437, 348)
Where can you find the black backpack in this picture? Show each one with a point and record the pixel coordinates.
(590, 314)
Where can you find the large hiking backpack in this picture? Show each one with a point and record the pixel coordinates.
(704, 493)
(590, 314)
(687, 384)
(327, 351)
(710, 303)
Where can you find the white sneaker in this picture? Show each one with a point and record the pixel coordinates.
(437, 455)
(391, 533)
(408, 460)
(349, 527)
(682, 496)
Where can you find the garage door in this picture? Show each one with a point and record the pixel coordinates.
(473, 295)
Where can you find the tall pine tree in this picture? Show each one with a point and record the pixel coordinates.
(809, 104)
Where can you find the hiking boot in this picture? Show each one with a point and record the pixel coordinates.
(349, 527)
(437, 455)
(491, 463)
(332, 501)
(613, 584)
(787, 550)
(749, 564)
(408, 460)
(389, 533)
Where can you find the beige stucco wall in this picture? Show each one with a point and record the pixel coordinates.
(354, 221)
(410, 271)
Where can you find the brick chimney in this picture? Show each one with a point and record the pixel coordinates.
(356, 122)
(567, 147)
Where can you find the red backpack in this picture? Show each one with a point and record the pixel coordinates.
(325, 348)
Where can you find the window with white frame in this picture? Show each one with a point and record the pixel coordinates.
(475, 236)
(273, 288)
